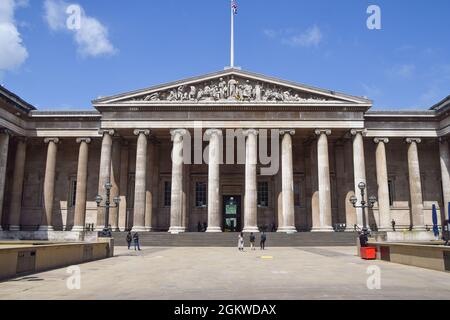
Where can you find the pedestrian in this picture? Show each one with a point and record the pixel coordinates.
(252, 241)
(241, 242)
(129, 239)
(199, 227)
(393, 225)
(136, 241)
(205, 226)
(263, 240)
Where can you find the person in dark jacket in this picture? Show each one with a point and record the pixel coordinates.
(129, 239)
(136, 241)
(252, 241)
(263, 240)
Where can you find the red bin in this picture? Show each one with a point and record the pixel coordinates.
(369, 253)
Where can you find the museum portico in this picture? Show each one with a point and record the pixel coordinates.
(53, 164)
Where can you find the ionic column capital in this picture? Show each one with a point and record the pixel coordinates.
(6, 131)
(54, 140)
(411, 140)
(381, 140)
(213, 132)
(287, 131)
(319, 132)
(138, 132)
(355, 132)
(249, 132)
(86, 140)
(110, 132)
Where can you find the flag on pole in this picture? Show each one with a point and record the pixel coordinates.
(234, 6)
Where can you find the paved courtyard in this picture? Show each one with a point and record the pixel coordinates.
(225, 273)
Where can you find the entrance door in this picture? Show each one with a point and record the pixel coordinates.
(232, 213)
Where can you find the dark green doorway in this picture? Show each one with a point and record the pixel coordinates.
(232, 213)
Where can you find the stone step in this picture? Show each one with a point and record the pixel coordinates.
(301, 239)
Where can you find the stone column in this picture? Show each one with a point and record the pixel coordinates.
(4, 146)
(149, 196)
(445, 172)
(359, 167)
(140, 180)
(105, 174)
(49, 184)
(82, 175)
(287, 183)
(384, 210)
(250, 200)
(124, 151)
(176, 203)
(415, 184)
(214, 212)
(17, 187)
(115, 182)
(324, 182)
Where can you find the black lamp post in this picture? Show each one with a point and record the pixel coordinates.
(364, 204)
(107, 206)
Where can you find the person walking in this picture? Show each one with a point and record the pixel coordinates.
(136, 241)
(129, 239)
(241, 242)
(252, 241)
(263, 240)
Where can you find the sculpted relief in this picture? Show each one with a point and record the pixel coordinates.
(231, 89)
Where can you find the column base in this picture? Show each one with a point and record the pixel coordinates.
(176, 230)
(14, 228)
(214, 230)
(138, 229)
(99, 228)
(322, 229)
(419, 228)
(386, 229)
(287, 230)
(115, 229)
(250, 229)
(77, 229)
(148, 229)
(46, 228)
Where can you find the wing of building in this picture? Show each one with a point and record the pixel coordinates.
(231, 150)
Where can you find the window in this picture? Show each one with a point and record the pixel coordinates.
(72, 192)
(391, 192)
(201, 198)
(263, 194)
(167, 193)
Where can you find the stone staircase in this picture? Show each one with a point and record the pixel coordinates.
(301, 239)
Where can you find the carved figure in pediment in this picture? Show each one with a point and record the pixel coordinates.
(200, 94)
(180, 93)
(258, 92)
(223, 89)
(232, 84)
(152, 97)
(172, 95)
(247, 91)
(193, 93)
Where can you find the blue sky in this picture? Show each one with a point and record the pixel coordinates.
(135, 44)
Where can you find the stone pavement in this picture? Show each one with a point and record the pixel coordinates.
(225, 273)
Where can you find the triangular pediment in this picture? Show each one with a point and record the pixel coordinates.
(231, 86)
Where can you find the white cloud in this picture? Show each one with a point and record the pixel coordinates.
(403, 71)
(13, 53)
(311, 37)
(91, 37)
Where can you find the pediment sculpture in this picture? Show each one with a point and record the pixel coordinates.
(231, 88)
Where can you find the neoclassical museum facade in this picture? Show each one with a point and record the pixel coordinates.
(53, 164)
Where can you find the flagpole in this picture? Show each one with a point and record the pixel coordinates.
(232, 36)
